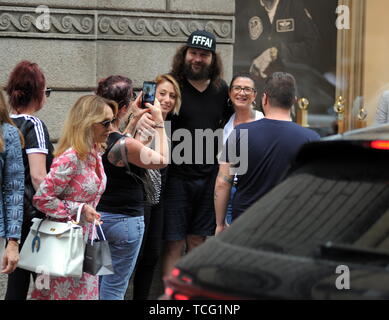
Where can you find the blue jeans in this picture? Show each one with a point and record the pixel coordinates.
(124, 234)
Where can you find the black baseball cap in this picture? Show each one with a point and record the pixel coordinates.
(202, 39)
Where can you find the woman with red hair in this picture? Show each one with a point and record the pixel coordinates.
(27, 92)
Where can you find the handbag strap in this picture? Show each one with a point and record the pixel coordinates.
(94, 233)
(123, 154)
(125, 161)
(79, 212)
(102, 233)
(77, 218)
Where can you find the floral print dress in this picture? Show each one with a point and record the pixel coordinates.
(71, 182)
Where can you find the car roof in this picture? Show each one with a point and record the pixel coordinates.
(378, 132)
(338, 192)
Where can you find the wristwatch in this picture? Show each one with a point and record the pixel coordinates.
(14, 239)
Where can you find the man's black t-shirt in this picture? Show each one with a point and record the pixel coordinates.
(269, 149)
(193, 155)
(36, 140)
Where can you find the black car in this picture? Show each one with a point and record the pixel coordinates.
(322, 233)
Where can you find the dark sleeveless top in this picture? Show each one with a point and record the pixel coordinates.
(123, 193)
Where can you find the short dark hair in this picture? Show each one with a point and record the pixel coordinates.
(281, 89)
(117, 88)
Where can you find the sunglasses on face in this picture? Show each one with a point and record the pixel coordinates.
(48, 92)
(107, 123)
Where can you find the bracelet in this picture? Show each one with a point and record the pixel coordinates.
(14, 240)
(159, 125)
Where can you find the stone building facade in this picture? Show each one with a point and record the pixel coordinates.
(78, 42)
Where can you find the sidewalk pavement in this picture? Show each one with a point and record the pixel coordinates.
(155, 291)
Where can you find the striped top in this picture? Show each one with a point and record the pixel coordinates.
(37, 140)
(34, 134)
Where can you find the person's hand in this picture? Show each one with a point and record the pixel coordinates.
(262, 62)
(155, 111)
(154, 118)
(10, 258)
(136, 114)
(146, 124)
(136, 104)
(90, 214)
(220, 228)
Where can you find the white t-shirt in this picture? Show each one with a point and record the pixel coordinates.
(230, 124)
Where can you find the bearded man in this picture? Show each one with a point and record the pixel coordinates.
(188, 198)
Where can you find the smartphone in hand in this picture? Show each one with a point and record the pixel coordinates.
(148, 93)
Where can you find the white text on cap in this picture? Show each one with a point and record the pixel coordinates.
(204, 41)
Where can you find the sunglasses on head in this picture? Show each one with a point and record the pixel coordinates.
(48, 92)
(107, 123)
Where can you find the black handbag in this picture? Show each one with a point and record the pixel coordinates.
(151, 179)
(97, 258)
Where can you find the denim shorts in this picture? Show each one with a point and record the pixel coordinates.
(189, 207)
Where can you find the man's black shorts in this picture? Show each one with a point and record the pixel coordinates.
(189, 207)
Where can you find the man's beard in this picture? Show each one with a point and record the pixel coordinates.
(203, 74)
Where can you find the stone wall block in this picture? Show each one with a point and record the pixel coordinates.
(202, 6)
(139, 61)
(54, 112)
(66, 64)
(140, 5)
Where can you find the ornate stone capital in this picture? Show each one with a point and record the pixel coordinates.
(25, 22)
(162, 27)
(110, 25)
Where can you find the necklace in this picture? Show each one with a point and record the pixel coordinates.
(268, 5)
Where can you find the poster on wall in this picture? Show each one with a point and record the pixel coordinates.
(295, 36)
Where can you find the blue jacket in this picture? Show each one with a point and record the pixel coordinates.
(11, 183)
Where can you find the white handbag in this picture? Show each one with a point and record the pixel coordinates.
(54, 248)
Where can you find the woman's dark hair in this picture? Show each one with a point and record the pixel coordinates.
(117, 88)
(26, 83)
(242, 75)
(177, 71)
